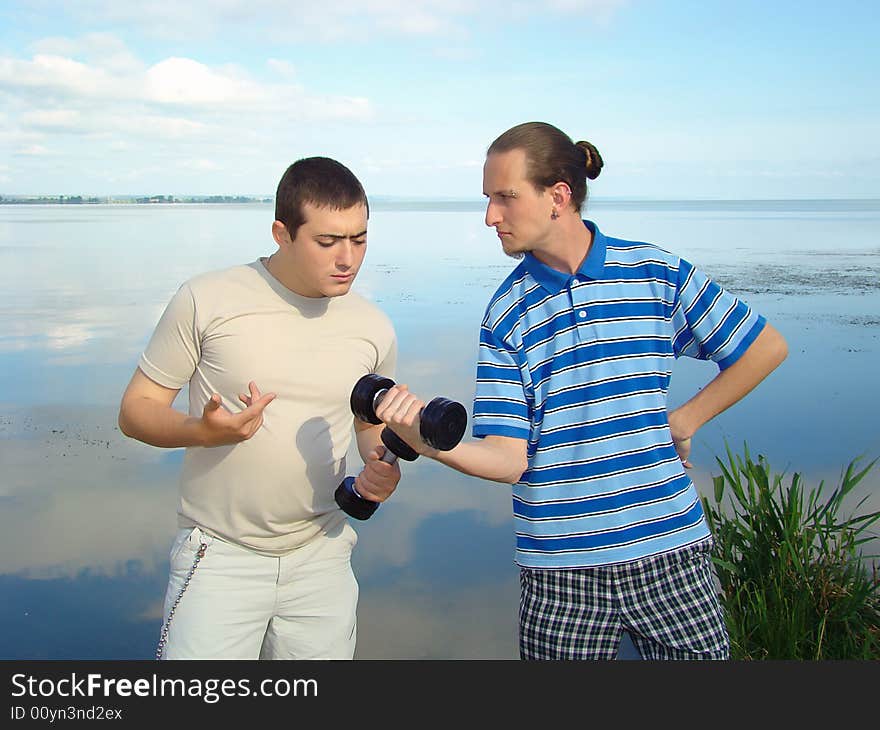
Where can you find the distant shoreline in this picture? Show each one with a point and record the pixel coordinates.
(395, 203)
(127, 200)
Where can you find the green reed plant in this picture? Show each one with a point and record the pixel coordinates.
(794, 582)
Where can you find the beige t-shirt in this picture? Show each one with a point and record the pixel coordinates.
(273, 492)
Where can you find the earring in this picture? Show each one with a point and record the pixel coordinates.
(554, 215)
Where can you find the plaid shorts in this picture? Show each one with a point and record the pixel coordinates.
(667, 603)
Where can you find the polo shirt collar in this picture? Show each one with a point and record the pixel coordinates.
(555, 281)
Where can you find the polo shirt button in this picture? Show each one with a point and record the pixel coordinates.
(582, 314)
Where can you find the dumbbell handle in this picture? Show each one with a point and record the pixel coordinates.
(380, 394)
(377, 399)
(389, 457)
(398, 445)
(352, 501)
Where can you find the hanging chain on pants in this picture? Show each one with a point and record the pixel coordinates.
(163, 636)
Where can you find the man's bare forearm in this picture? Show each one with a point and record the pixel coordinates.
(158, 424)
(731, 385)
(489, 458)
(496, 458)
(368, 439)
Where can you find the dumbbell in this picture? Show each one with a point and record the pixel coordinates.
(442, 423)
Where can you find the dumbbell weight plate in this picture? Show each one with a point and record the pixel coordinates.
(397, 445)
(352, 503)
(443, 423)
(364, 393)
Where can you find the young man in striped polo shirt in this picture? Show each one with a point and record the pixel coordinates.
(576, 353)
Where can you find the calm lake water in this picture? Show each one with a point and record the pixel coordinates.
(87, 515)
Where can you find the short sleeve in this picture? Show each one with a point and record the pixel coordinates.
(711, 323)
(388, 364)
(500, 404)
(173, 352)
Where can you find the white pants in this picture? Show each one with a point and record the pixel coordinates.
(242, 605)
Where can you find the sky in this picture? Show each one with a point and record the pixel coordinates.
(683, 99)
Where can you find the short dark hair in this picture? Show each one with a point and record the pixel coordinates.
(321, 182)
(552, 157)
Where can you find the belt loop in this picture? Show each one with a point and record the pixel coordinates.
(202, 537)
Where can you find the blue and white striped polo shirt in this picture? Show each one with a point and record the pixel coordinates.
(580, 366)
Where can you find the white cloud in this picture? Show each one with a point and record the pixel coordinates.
(156, 126)
(103, 49)
(282, 68)
(53, 120)
(341, 19)
(101, 103)
(46, 74)
(135, 123)
(88, 104)
(34, 150)
(597, 8)
(175, 81)
(187, 82)
(413, 20)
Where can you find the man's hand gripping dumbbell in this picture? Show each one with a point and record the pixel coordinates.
(441, 425)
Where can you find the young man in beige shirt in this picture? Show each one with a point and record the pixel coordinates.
(270, 351)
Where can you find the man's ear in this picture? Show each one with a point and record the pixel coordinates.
(561, 195)
(280, 234)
